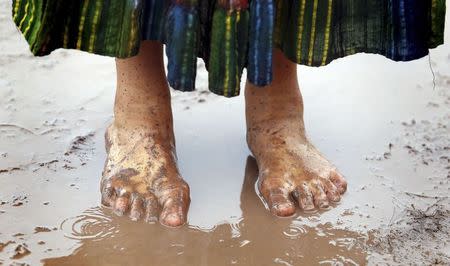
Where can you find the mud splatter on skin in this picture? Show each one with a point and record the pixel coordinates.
(124, 175)
(293, 173)
(141, 179)
(141, 141)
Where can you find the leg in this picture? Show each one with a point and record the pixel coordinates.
(141, 177)
(290, 167)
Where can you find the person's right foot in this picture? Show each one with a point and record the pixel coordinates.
(141, 178)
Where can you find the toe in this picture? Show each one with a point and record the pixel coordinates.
(137, 208)
(108, 196)
(331, 191)
(278, 200)
(151, 209)
(121, 205)
(339, 181)
(320, 197)
(304, 197)
(283, 208)
(175, 207)
(173, 214)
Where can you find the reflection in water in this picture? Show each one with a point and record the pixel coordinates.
(257, 239)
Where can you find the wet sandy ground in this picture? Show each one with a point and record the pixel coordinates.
(384, 124)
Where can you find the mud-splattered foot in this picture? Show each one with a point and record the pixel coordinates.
(292, 171)
(141, 178)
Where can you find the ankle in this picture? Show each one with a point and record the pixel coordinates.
(143, 128)
(148, 116)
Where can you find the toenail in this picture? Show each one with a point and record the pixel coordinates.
(283, 209)
(172, 220)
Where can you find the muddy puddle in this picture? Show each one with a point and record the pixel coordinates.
(385, 125)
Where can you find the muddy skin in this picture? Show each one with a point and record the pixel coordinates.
(141, 177)
(293, 173)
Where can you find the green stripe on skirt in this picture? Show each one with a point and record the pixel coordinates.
(309, 32)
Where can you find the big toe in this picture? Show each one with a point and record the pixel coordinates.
(173, 219)
(279, 202)
(283, 208)
(173, 214)
(175, 207)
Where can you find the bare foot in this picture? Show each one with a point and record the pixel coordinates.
(291, 168)
(141, 178)
(292, 171)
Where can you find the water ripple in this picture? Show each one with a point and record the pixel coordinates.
(294, 230)
(92, 224)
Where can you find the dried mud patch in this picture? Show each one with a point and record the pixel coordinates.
(420, 236)
(81, 150)
(419, 231)
(21, 251)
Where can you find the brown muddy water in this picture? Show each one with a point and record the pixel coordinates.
(384, 124)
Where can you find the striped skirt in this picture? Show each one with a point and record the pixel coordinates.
(230, 35)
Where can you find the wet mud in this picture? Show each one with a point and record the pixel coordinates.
(384, 124)
(254, 238)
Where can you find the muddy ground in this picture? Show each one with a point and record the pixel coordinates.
(384, 124)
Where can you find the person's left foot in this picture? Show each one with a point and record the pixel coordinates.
(291, 169)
